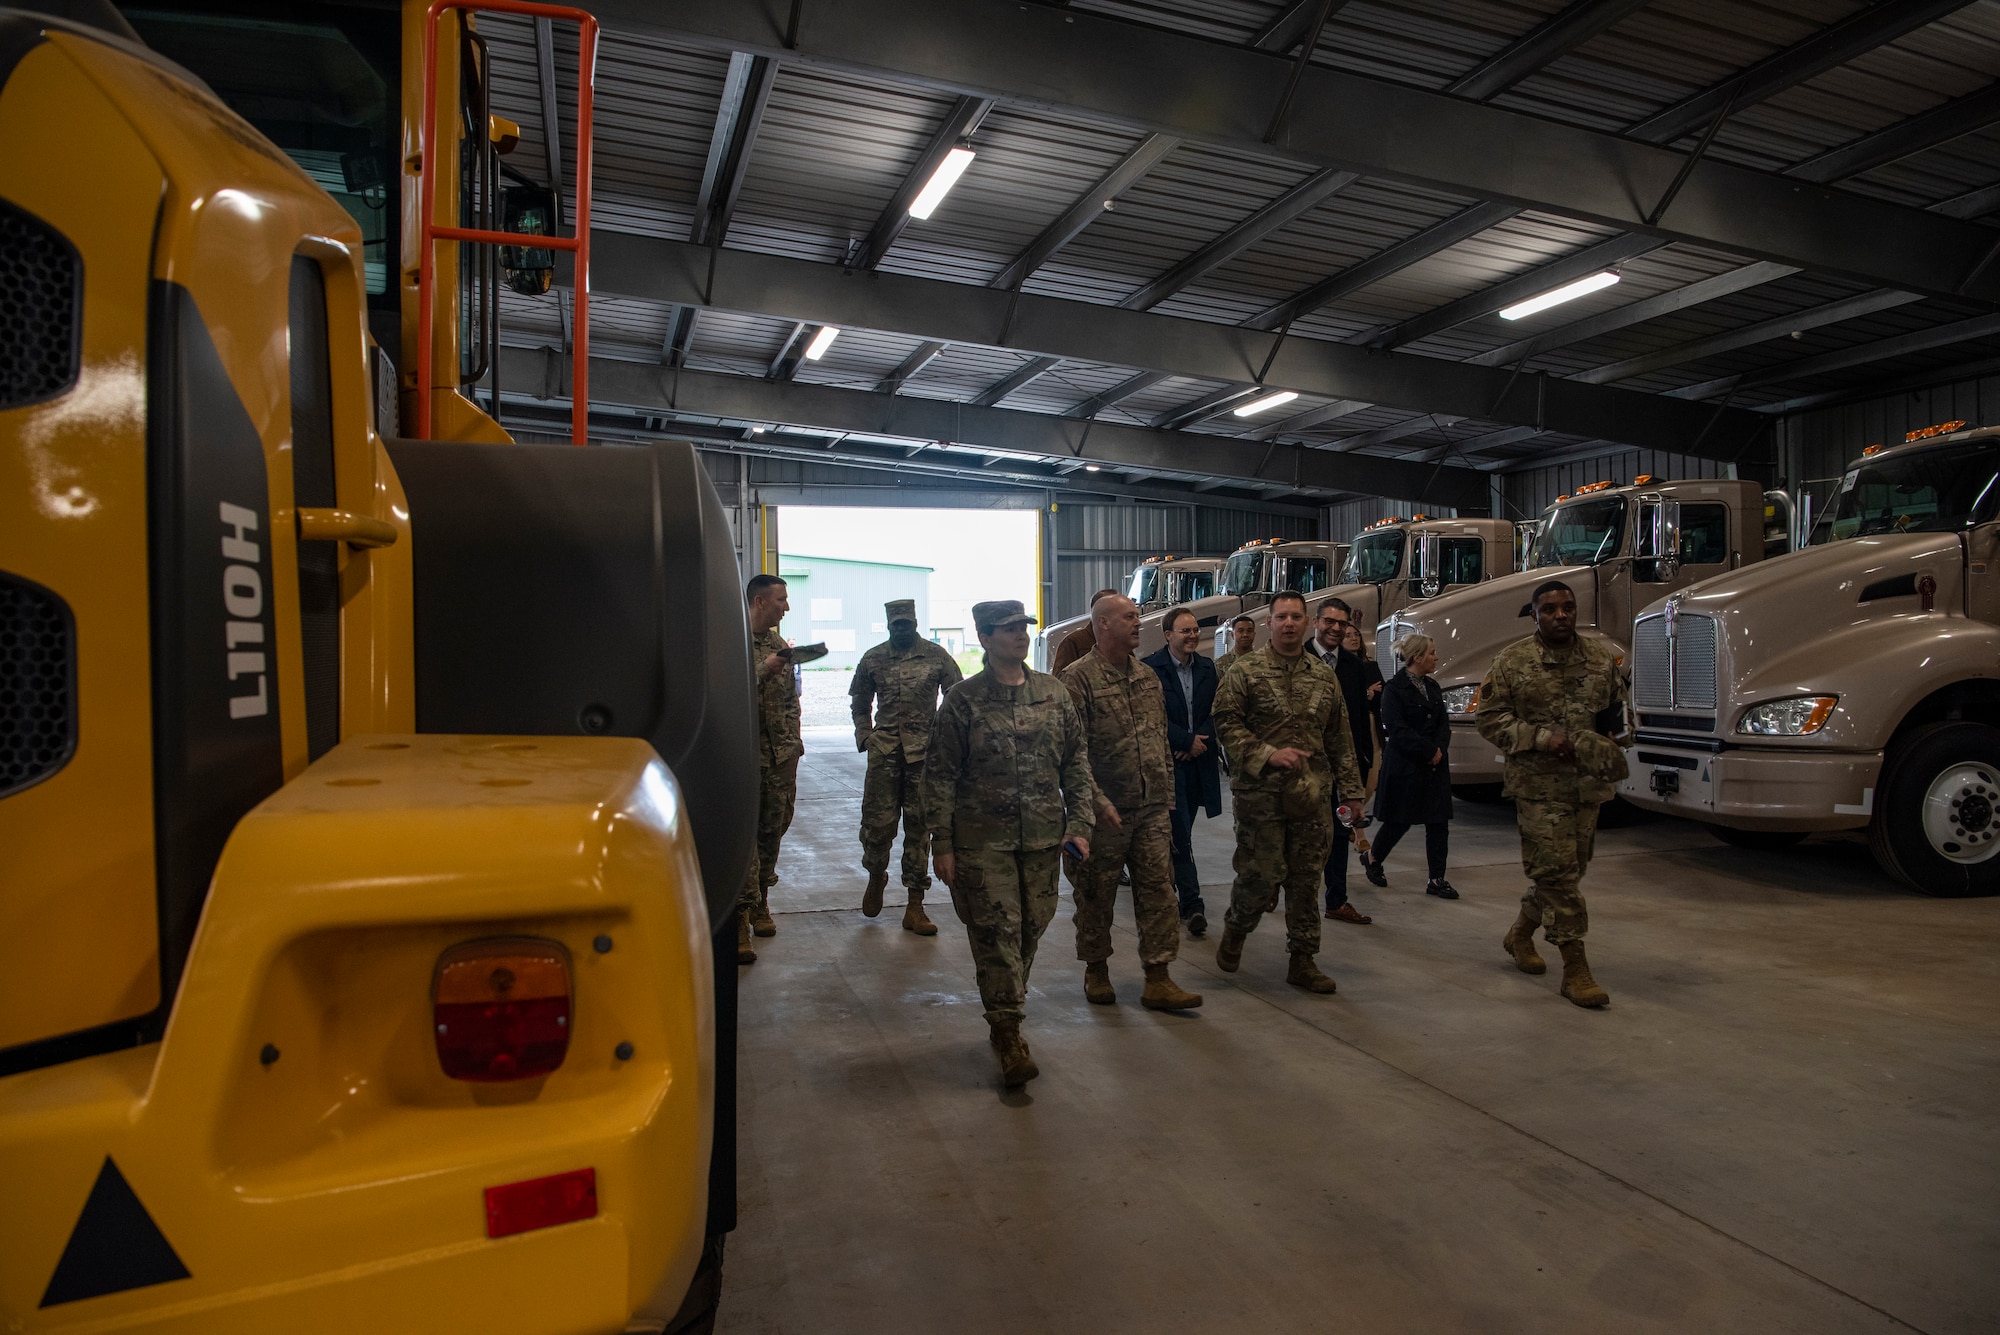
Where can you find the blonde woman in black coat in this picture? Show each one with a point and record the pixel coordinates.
(1416, 762)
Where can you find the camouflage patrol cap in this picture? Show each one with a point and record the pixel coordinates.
(900, 609)
(991, 616)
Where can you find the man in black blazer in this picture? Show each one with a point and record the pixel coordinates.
(1189, 682)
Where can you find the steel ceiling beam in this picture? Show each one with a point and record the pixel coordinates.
(746, 398)
(1559, 34)
(739, 114)
(1223, 95)
(1638, 312)
(657, 269)
(1940, 125)
(1843, 359)
(1567, 269)
(1067, 226)
(1860, 33)
(1729, 340)
(1290, 27)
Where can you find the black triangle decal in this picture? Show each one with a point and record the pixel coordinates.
(115, 1246)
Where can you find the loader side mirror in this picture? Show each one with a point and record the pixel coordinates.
(530, 209)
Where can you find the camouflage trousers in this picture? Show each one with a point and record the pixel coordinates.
(893, 790)
(1005, 897)
(778, 789)
(1556, 843)
(1273, 850)
(1145, 844)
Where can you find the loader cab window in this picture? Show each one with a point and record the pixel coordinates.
(1581, 535)
(321, 83)
(1941, 490)
(1375, 558)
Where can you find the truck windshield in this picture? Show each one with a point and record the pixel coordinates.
(1929, 491)
(1145, 580)
(1244, 574)
(1184, 586)
(1375, 558)
(1581, 535)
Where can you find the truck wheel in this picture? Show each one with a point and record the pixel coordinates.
(1756, 838)
(1937, 813)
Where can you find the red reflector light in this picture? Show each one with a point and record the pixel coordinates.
(500, 1009)
(541, 1202)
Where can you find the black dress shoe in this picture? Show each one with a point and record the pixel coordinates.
(1373, 871)
(1197, 925)
(1442, 889)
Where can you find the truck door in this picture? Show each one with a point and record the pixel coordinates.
(1982, 573)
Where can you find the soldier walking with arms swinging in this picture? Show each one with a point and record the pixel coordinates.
(895, 697)
(1006, 781)
(1554, 704)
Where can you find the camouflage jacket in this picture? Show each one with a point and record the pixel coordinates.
(1008, 767)
(1222, 663)
(901, 687)
(777, 703)
(1124, 713)
(1267, 702)
(1533, 691)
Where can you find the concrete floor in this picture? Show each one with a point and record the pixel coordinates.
(1786, 1121)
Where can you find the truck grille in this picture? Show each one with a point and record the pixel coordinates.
(37, 684)
(41, 289)
(1678, 671)
(1385, 647)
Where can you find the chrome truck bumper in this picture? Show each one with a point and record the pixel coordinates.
(1754, 789)
(1473, 758)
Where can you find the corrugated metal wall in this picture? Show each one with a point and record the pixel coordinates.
(1529, 491)
(1348, 518)
(1814, 448)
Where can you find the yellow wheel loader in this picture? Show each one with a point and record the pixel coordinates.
(363, 857)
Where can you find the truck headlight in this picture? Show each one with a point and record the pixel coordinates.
(1788, 718)
(1458, 699)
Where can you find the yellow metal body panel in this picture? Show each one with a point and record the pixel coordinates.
(343, 1181)
(73, 519)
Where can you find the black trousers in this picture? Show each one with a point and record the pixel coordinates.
(1337, 859)
(1437, 842)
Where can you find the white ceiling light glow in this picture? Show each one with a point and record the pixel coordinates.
(1255, 406)
(1582, 287)
(942, 180)
(821, 342)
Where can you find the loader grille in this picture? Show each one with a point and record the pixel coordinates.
(41, 310)
(37, 684)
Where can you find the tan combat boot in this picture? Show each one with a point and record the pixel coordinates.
(1164, 994)
(871, 898)
(914, 917)
(1097, 984)
(1520, 943)
(1229, 952)
(1577, 983)
(760, 919)
(1017, 1067)
(745, 952)
(1304, 972)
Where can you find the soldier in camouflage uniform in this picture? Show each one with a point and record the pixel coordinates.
(1554, 704)
(895, 696)
(1124, 715)
(778, 752)
(1006, 782)
(1242, 639)
(1281, 718)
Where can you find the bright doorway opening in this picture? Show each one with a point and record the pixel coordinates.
(842, 563)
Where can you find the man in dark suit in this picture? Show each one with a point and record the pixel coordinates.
(1189, 682)
(1361, 688)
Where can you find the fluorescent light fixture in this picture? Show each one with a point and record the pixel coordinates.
(1255, 406)
(1090, 468)
(821, 342)
(1582, 287)
(942, 180)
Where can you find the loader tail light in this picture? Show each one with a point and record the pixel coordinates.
(541, 1202)
(501, 1009)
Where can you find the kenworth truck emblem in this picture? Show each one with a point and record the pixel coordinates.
(1673, 613)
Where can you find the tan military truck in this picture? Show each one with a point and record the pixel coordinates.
(1605, 541)
(1399, 561)
(1155, 584)
(1854, 684)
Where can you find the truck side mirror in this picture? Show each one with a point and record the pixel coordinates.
(1656, 546)
(1430, 568)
